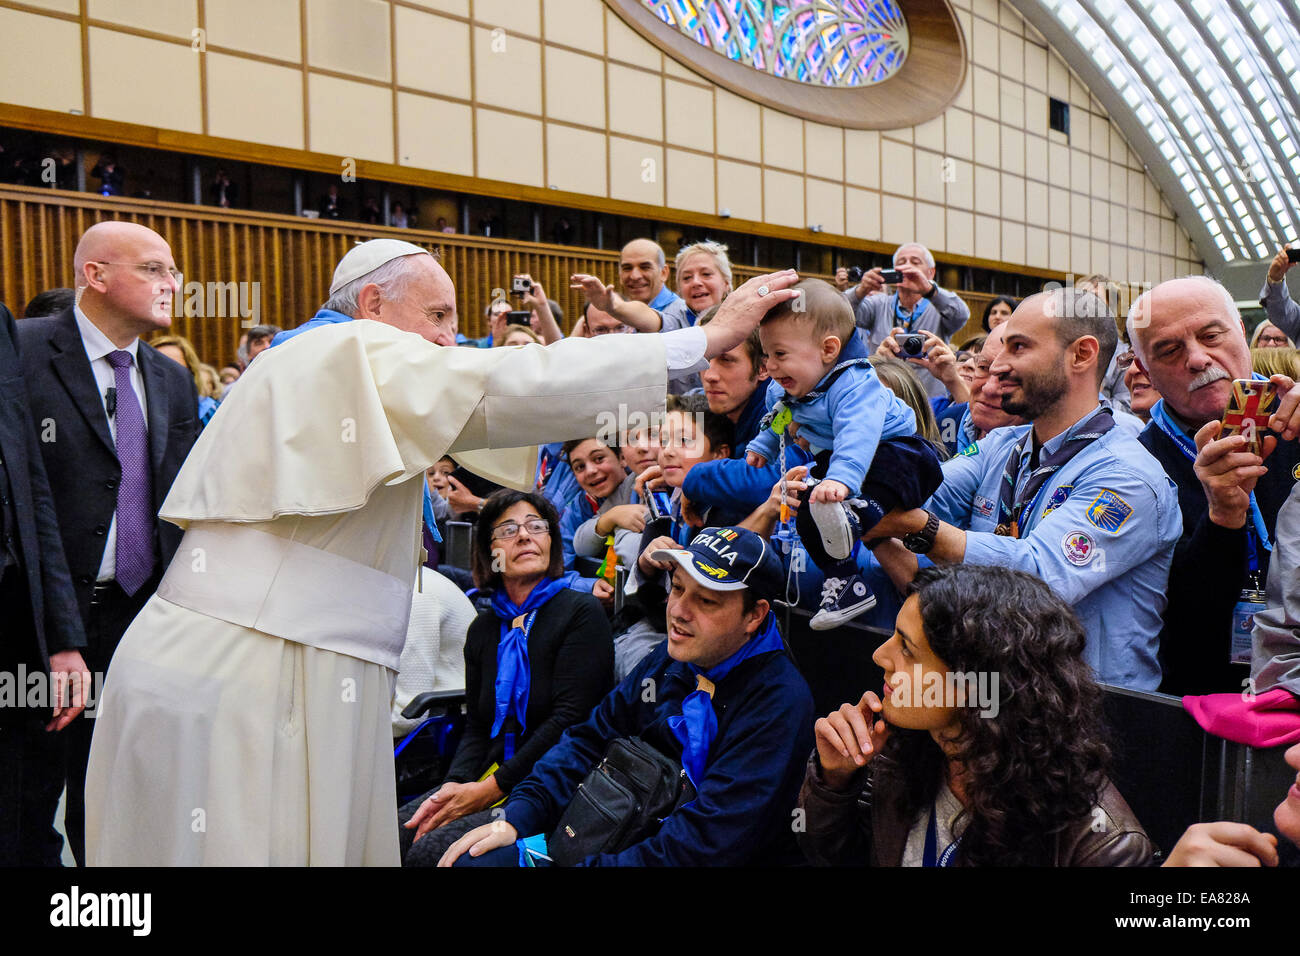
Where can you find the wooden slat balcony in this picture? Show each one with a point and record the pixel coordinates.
(290, 258)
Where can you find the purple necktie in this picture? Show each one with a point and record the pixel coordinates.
(135, 519)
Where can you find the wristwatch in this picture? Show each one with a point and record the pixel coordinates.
(922, 541)
(934, 287)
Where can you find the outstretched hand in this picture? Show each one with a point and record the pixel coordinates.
(744, 308)
(598, 294)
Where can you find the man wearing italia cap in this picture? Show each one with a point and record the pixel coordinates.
(246, 720)
(720, 694)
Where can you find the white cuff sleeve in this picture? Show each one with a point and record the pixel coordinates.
(684, 349)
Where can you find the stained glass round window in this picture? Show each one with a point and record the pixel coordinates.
(864, 64)
(852, 43)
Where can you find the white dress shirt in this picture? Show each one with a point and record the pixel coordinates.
(97, 346)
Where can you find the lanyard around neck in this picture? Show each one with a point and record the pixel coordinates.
(1258, 532)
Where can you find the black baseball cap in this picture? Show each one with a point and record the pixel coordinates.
(730, 559)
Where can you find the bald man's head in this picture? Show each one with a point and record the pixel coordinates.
(642, 270)
(113, 241)
(126, 279)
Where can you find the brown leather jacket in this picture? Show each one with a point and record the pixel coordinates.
(839, 830)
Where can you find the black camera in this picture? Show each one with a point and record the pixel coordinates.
(521, 285)
(891, 276)
(855, 273)
(519, 318)
(912, 344)
(1293, 255)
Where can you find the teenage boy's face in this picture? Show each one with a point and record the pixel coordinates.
(796, 358)
(682, 446)
(640, 450)
(437, 475)
(596, 468)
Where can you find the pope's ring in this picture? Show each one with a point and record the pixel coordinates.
(763, 290)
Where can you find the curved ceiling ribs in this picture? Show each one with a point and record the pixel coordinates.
(1215, 85)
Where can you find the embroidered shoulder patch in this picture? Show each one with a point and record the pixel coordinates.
(1109, 511)
(1078, 548)
(1057, 499)
(1295, 472)
(982, 506)
(971, 449)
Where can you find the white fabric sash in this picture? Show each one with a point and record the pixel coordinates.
(291, 591)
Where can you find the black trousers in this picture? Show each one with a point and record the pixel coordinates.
(429, 850)
(31, 758)
(904, 473)
(110, 615)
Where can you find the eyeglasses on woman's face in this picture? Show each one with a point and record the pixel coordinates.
(508, 529)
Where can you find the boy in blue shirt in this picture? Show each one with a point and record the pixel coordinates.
(869, 459)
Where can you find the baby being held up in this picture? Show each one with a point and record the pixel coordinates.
(869, 459)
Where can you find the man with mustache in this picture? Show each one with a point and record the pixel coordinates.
(1187, 333)
(1069, 497)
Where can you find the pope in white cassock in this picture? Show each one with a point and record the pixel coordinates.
(246, 717)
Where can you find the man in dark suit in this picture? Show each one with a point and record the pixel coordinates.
(41, 634)
(116, 420)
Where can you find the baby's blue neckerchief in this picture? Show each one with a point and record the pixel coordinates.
(513, 676)
(697, 726)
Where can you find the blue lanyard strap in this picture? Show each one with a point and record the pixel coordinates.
(932, 845)
(1257, 534)
(906, 321)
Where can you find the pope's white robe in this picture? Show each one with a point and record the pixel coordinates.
(245, 720)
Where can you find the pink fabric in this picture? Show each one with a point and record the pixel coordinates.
(1271, 719)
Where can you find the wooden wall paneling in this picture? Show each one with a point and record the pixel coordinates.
(291, 258)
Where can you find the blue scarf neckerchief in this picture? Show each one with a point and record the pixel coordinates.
(905, 321)
(513, 677)
(697, 726)
(1016, 500)
(966, 431)
(430, 521)
(1187, 445)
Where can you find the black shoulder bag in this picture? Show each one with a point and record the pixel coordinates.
(621, 802)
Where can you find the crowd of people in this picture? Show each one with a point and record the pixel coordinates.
(1048, 507)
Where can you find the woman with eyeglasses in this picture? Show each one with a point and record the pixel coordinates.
(1269, 336)
(535, 664)
(1142, 394)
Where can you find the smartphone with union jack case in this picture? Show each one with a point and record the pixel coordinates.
(1251, 406)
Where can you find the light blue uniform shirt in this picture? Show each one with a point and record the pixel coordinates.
(1101, 532)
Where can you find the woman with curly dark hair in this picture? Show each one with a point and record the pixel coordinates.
(988, 748)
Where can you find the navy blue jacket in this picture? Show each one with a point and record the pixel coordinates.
(743, 812)
(736, 486)
(751, 416)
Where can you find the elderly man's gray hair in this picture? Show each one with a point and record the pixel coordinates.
(929, 258)
(392, 278)
(1139, 313)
